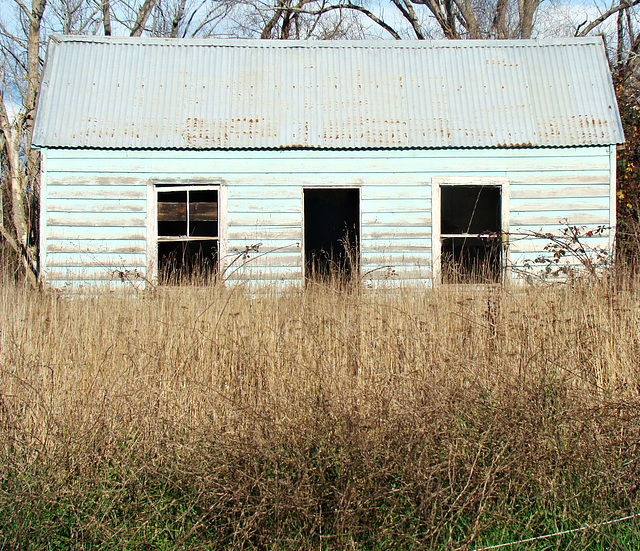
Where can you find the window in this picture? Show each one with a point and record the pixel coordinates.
(470, 232)
(187, 233)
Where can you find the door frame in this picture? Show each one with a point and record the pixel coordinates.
(332, 187)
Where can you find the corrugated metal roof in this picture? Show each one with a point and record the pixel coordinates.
(210, 94)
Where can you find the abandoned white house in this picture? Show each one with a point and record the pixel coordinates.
(164, 154)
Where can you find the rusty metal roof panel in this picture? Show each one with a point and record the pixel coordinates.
(212, 94)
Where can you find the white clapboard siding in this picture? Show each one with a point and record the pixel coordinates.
(253, 273)
(107, 234)
(569, 216)
(400, 273)
(94, 192)
(261, 234)
(74, 274)
(95, 260)
(466, 165)
(537, 245)
(101, 246)
(266, 248)
(97, 219)
(373, 233)
(94, 205)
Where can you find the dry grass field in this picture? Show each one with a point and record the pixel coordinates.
(211, 418)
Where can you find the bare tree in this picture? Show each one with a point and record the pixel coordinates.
(20, 161)
(22, 45)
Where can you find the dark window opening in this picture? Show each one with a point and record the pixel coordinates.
(172, 213)
(331, 234)
(471, 248)
(187, 235)
(471, 260)
(203, 213)
(182, 261)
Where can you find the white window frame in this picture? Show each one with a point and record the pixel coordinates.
(152, 221)
(436, 210)
(330, 187)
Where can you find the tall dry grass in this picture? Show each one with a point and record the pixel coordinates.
(319, 418)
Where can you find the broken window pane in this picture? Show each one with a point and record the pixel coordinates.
(471, 259)
(471, 247)
(180, 261)
(203, 213)
(470, 209)
(172, 213)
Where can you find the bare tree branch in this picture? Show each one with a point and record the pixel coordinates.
(527, 11)
(498, 28)
(407, 11)
(468, 18)
(24, 9)
(445, 19)
(143, 16)
(106, 17)
(175, 24)
(268, 28)
(373, 17)
(605, 16)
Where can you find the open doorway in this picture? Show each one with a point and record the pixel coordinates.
(471, 233)
(331, 233)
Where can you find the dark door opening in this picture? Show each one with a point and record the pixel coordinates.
(331, 233)
(471, 224)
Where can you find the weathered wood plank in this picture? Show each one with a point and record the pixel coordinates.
(265, 205)
(262, 274)
(118, 178)
(272, 260)
(86, 274)
(95, 205)
(464, 162)
(269, 248)
(264, 219)
(85, 232)
(172, 212)
(519, 230)
(560, 204)
(392, 233)
(386, 219)
(533, 244)
(203, 211)
(559, 217)
(95, 260)
(398, 285)
(554, 191)
(395, 273)
(420, 192)
(81, 155)
(241, 190)
(113, 247)
(96, 220)
(519, 259)
(384, 246)
(417, 205)
(567, 178)
(393, 259)
(96, 192)
(263, 234)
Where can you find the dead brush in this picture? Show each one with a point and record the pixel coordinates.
(319, 418)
